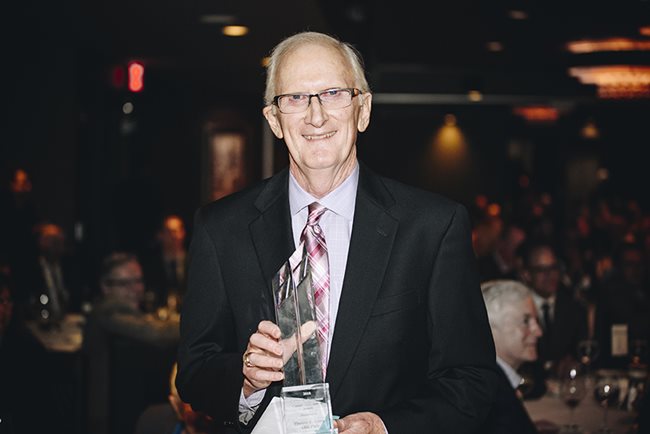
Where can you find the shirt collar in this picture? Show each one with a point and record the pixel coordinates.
(539, 301)
(513, 378)
(340, 201)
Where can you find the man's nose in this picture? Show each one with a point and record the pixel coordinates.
(316, 115)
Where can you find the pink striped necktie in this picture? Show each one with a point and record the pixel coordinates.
(316, 249)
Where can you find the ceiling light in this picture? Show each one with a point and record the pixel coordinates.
(537, 113)
(590, 130)
(616, 81)
(609, 44)
(518, 14)
(474, 95)
(234, 30)
(494, 46)
(645, 30)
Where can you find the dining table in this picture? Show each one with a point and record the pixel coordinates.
(552, 415)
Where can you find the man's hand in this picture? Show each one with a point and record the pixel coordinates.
(360, 423)
(266, 354)
(262, 361)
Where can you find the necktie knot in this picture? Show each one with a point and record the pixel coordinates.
(316, 211)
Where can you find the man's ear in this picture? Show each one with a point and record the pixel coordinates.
(271, 116)
(364, 112)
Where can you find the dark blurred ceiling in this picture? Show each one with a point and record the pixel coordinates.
(409, 45)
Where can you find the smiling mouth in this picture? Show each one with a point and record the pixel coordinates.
(320, 136)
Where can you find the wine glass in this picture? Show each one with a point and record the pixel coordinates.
(572, 391)
(588, 351)
(639, 352)
(606, 393)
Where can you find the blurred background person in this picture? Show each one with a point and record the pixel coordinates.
(118, 314)
(165, 263)
(50, 279)
(625, 301)
(174, 416)
(513, 320)
(485, 235)
(17, 219)
(501, 261)
(563, 319)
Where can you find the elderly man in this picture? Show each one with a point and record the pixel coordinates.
(513, 321)
(401, 321)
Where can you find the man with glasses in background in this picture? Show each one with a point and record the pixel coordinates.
(562, 317)
(118, 314)
(402, 323)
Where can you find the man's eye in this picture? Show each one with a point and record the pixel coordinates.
(297, 97)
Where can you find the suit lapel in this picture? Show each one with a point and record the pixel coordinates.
(373, 232)
(271, 233)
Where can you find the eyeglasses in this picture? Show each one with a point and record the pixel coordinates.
(124, 282)
(545, 268)
(338, 98)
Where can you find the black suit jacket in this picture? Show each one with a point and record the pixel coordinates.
(508, 416)
(411, 341)
(568, 328)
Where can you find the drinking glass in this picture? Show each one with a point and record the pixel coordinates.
(572, 391)
(588, 351)
(606, 393)
(638, 352)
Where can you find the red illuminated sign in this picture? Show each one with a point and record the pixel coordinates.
(136, 76)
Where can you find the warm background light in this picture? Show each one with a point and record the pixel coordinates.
(449, 142)
(234, 30)
(616, 81)
(610, 44)
(537, 113)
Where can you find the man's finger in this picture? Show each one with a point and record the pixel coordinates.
(269, 328)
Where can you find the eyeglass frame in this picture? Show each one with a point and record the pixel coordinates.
(354, 92)
(119, 282)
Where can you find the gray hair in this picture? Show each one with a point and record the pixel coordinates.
(291, 43)
(500, 293)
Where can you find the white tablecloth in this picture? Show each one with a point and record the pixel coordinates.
(588, 415)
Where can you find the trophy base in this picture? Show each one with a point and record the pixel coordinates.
(307, 409)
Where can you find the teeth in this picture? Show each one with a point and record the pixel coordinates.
(320, 136)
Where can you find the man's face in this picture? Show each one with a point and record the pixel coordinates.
(516, 333)
(126, 284)
(318, 139)
(544, 272)
(51, 242)
(172, 235)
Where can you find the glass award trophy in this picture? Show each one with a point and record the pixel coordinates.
(306, 404)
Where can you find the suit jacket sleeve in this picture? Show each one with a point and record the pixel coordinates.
(209, 375)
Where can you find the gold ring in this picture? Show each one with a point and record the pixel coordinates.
(246, 360)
